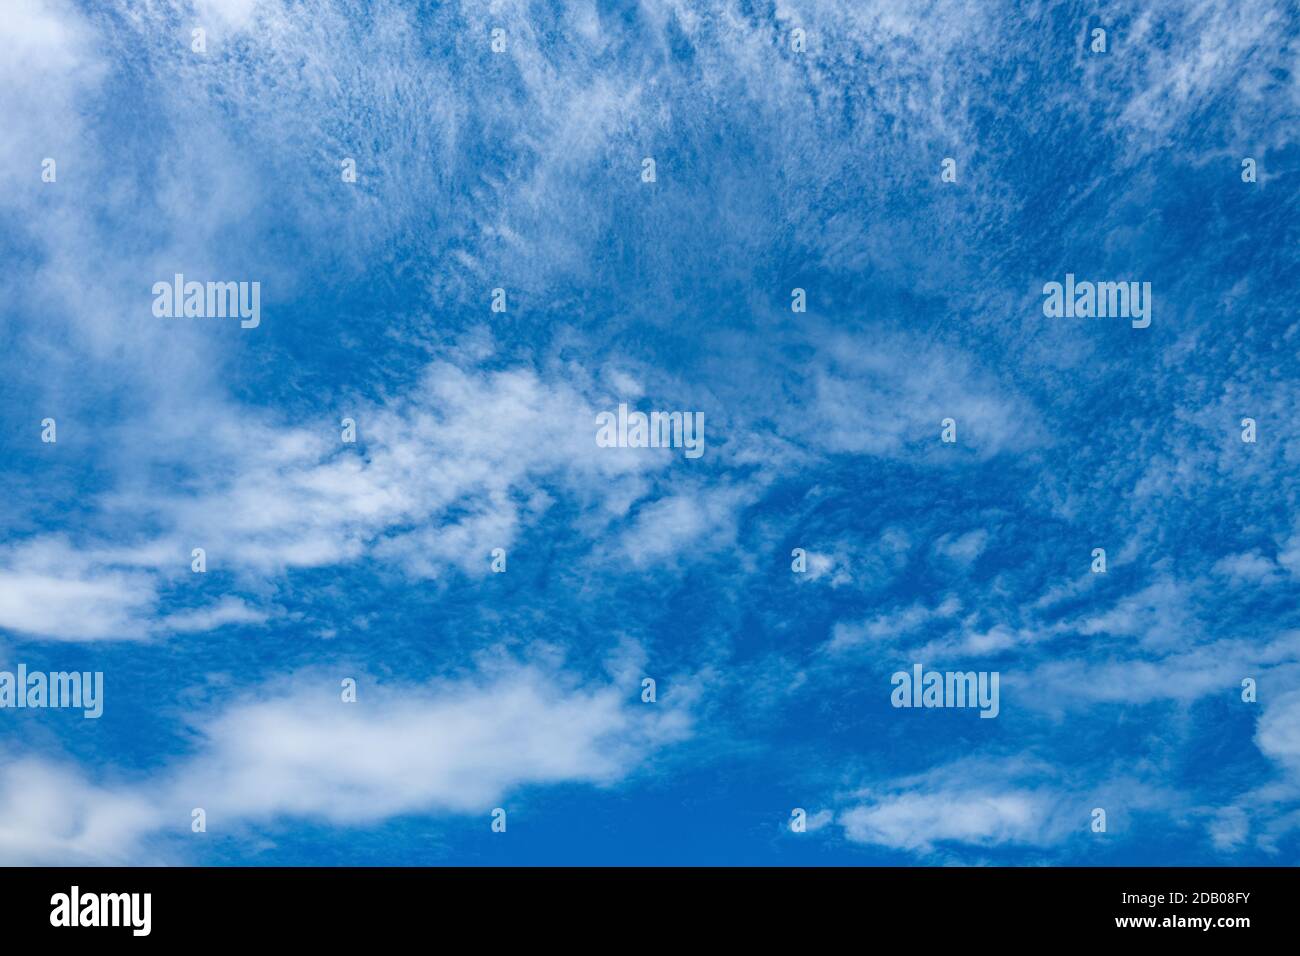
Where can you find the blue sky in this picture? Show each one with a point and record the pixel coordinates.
(775, 169)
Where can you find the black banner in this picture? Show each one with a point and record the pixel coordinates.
(331, 905)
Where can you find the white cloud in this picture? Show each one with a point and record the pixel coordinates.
(1229, 828)
(50, 61)
(297, 750)
(231, 14)
(49, 588)
(891, 398)
(1160, 614)
(988, 801)
(916, 821)
(1170, 74)
(451, 746)
(1250, 567)
(228, 610)
(831, 566)
(701, 521)
(965, 548)
(458, 466)
(972, 801)
(1289, 555)
(885, 629)
(1278, 733)
(1183, 674)
(51, 815)
(819, 820)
